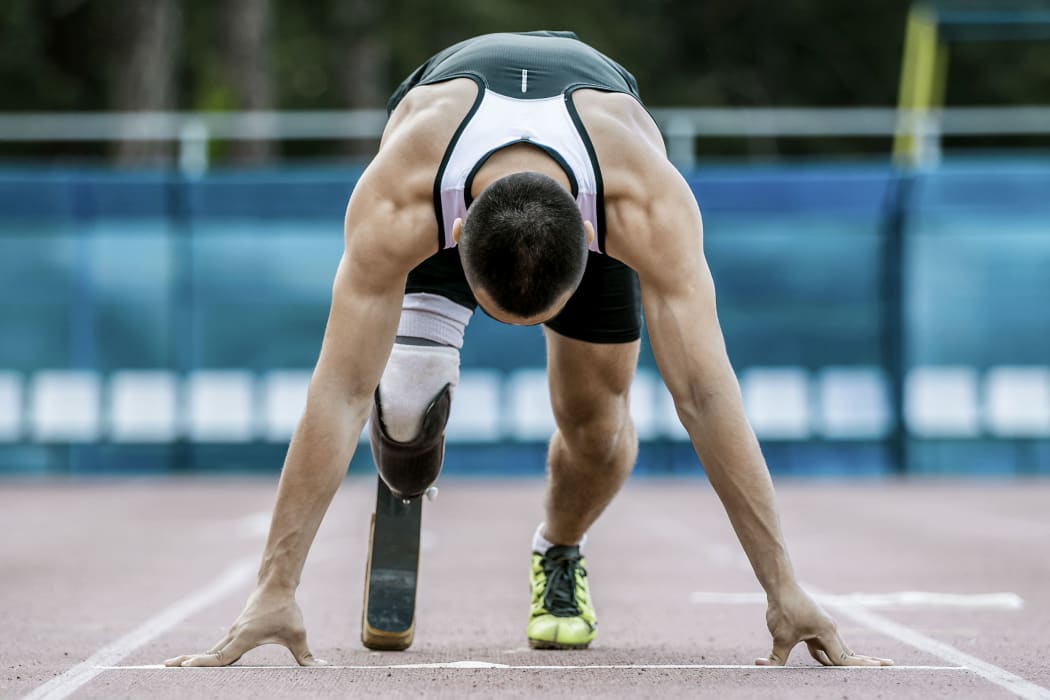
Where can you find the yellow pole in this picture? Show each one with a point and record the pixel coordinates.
(923, 72)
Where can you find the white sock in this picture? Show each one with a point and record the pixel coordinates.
(413, 376)
(541, 544)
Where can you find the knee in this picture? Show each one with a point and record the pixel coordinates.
(408, 420)
(599, 431)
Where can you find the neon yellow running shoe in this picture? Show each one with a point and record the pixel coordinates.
(561, 616)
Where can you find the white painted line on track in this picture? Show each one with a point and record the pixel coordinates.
(428, 540)
(238, 574)
(253, 525)
(508, 667)
(1000, 676)
(995, 601)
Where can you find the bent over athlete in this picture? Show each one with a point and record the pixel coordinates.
(521, 173)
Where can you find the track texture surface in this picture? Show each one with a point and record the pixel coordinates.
(99, 577)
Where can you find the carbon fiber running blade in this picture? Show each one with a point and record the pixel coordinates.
(393, 567)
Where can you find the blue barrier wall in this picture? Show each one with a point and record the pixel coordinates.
(154, 322)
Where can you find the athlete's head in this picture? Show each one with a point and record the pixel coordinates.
(523, 248)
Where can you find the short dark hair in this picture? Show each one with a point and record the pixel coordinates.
(524, 243)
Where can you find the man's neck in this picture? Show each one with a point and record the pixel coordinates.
(518, 158)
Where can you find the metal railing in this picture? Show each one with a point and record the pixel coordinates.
(681, 126)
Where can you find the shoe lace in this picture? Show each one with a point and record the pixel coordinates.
(561, 565)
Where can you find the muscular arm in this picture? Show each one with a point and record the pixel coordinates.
(361, 328)
(655, 227)
(389, 229)
(386, 235)
(679, 301)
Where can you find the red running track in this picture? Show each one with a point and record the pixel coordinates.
(102, 580)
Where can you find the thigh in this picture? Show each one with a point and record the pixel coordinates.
(589, 382)
(442, 274)
(606, 307)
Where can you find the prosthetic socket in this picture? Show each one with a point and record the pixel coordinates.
(408, 421)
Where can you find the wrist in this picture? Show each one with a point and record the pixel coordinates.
(776, 575)
(788, 588)
(272, 580)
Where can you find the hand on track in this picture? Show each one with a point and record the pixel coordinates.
(794, 618)
(267, 618)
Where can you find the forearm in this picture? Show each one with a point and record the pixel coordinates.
(317, 460)
(731, 457)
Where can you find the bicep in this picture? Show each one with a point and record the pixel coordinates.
(678, 294)
(386, 235)
(362, 323)
(686, 337)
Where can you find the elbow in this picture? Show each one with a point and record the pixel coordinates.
(691, 408)
(695, 402)
(353, 403)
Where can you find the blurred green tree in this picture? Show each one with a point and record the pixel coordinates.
(287, 54)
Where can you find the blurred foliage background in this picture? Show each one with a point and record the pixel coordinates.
(329, 54)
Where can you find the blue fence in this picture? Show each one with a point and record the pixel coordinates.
(151, 322)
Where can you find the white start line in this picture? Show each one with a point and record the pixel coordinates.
(474, 665)
(107, 658)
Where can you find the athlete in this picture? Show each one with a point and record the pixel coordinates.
(521, 173)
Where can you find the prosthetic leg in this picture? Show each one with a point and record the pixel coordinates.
(407, 470)
(389, 617)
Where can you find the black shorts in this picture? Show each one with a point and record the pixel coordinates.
(606, 307)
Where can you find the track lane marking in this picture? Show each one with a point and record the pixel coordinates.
(990, 672)
(474, 665)
(1000, 601)
(253, 525)
(1005, 679)
(239, 573)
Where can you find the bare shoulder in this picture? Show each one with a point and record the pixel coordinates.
(390, 218)
(428, 116)
(615, 120)
(651, 217)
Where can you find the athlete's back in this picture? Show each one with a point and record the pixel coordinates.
(528, 65)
